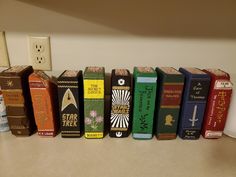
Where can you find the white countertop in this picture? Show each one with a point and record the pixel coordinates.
(60, 157)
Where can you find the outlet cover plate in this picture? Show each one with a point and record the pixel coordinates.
(40, 53)
(4, 59)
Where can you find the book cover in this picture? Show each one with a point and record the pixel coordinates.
(70, 93)
(94, 102)
(44, 98)
(145, 79)
(195, 95)
(3, 115)
(120, 103)
(16, 93)
(169, 94)
(217, 104)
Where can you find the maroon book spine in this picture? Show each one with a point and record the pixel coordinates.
(218, 104)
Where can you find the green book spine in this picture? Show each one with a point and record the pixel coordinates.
(144, 102)
(94, 102)
(169, 95)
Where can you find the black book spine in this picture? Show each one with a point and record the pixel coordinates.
(70, 105)
(120, 105)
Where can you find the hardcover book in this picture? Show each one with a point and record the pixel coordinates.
(44, 98)
(70, 93)
(195, 95)
(3, 115)
(217, 104)
(16, 93)
(145, 79)
(169, 95)
(94, 102)
(120, 103)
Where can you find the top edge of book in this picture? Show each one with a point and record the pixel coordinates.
(16, 69)
(217, 72)
(94, 72)
(94, 69)
(170, 70)
(121, 72)
(41, 74)
(194, 70)
(145, 70)
(70, 73)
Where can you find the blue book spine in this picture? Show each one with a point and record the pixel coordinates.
(193, 103)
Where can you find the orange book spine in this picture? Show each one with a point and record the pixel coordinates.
(42, 98)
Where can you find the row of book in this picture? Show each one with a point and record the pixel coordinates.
(165, 102)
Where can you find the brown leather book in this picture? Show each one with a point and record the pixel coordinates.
(16, 93)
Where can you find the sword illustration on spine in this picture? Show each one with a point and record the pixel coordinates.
(193, 120)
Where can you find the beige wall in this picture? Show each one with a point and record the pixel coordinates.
(118, 34)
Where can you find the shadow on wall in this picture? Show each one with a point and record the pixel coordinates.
(154, 18)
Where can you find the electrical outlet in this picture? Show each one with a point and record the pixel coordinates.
(40, 53)
(4, 59)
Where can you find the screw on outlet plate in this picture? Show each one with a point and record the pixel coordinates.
(40, 52)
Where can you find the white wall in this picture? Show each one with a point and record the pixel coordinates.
(80, 40)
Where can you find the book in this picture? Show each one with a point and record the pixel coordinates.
(230, 125)
(195, 95)
(43, 91)
(16, 93)
(145, 85)
(3, 115)
(169, 94)
(217, 104)
(70, 94)
(120, 103)
(94, 102)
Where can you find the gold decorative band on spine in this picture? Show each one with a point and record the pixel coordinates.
(10, 77)
(18, 117)
(121, 87)
(70, 131)
(12, 90)
(71, 82)
(170, 83)
(70, 134)
(119, 129)
(15, 105)
(170, 106)
(17, 127)
(67, 86)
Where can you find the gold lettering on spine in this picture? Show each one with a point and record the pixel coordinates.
(221, 106)
(69, 120)
(120, 109)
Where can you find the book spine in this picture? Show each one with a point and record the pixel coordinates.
(120, 106)
(143, 111)
(217, 109)
(18, 105)
(168, 110)
(3, 115)
(43, 108)
(94, 108)
(193, 108)
(70, 107)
